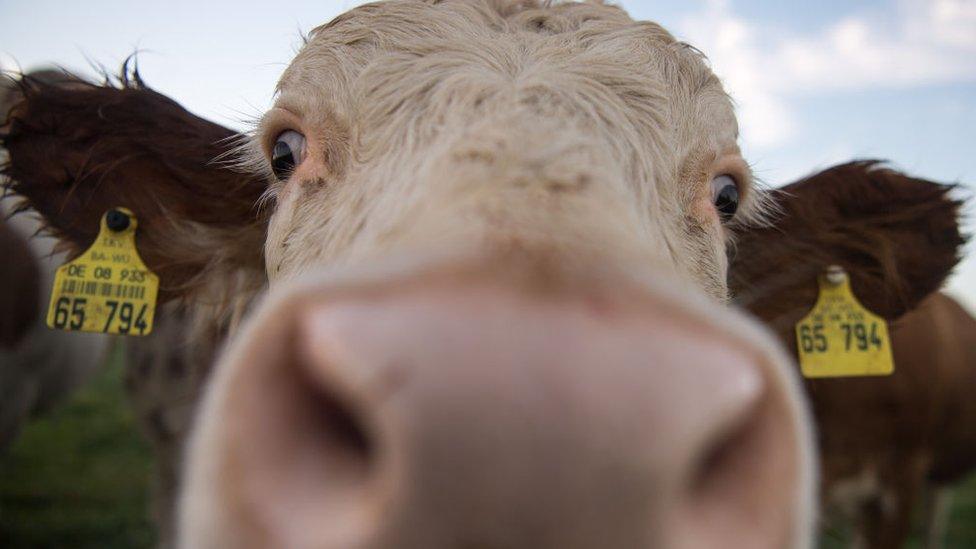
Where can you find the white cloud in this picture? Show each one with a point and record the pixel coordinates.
(923, 46)
(923, 42)
(767, 68)
(953, 22)
(736, 55)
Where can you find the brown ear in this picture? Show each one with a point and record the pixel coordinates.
(78, 149)
(897, 236)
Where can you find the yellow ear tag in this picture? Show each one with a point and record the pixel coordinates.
(839, 337)
(108, 289)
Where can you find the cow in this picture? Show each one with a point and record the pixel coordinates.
(38, 368)
(495, 235)
(912, 452)
(884, 441)
(164, 372)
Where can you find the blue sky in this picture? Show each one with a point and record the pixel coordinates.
(816, 82)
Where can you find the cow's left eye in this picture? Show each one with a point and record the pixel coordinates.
(288, 152)
(725, 195)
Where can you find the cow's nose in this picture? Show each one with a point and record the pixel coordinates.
(477, 417)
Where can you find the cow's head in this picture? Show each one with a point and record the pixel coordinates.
(497, 251)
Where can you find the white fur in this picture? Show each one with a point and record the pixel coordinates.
(471, 128)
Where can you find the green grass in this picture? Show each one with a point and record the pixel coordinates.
(79, 478)
(962, 523)
(961, 532)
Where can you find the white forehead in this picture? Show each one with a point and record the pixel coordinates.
(395, 94)
(639, 64)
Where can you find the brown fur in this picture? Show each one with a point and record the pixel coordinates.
(907, 434)
(898, 238)
(897, 235)
(947, 326)
(20, 283)
(76, 151)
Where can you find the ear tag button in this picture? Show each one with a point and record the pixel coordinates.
(841, 338)
(108, 289)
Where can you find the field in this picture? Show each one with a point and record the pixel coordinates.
(79, 478)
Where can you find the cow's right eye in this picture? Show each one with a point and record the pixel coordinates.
(725, 194)
(288, 152)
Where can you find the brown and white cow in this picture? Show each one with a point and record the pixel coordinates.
(885, 440)
(165, 371)
(890, 444)
(38, 368)
(497, 256)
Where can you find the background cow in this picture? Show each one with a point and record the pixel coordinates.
(38, 367)
(889, 444)
(608, 214)
(165, 371)
(883, 440)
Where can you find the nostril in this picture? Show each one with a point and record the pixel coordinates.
(303, 450)
(309, 428)
(739, 478)
(724, 458)
(339, 423)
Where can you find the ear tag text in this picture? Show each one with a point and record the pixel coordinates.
(840, 337)
(108, 289)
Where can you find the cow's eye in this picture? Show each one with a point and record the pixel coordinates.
(725, 195)
(288, 152)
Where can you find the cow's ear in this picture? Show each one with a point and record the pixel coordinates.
(897, 236)
(77, 149)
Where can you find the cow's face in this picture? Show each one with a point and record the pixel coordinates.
(412, 127)
(510, 227)
(497, 248)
